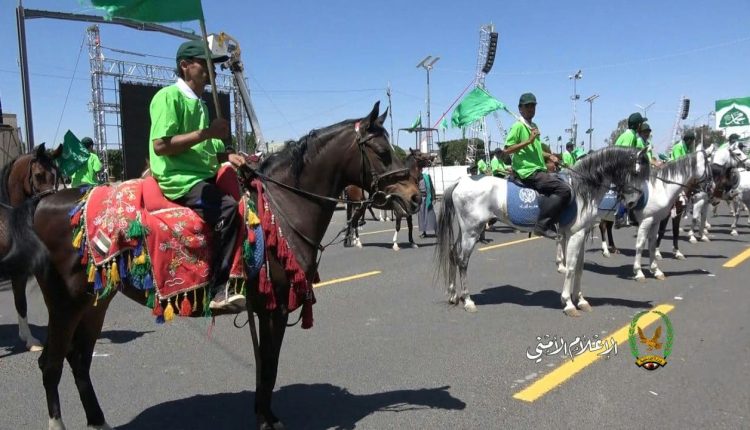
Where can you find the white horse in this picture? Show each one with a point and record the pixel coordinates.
(664, 186)
(740, 196)
(725, 158)
(471, 203)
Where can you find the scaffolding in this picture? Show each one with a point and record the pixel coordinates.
(106, 75)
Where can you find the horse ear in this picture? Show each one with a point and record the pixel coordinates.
(57, 153)
(40, 150)
(381, 118)
(372, 117)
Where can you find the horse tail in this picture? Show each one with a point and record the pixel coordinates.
(26, 253)
(445, 254)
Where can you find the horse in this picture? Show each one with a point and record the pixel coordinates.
(301, 184)
(27, 178)
(415, 161)
(724, 159)
(471, 203)
(664, 186)
(740, 196)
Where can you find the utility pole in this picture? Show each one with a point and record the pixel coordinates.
(427, 64)
(574, 127)
(390, 106)
(590, 131)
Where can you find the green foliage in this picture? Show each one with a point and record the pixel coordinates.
(622, 125)
(116, 166)
(400, 153)
(708, 135)
(453, 152)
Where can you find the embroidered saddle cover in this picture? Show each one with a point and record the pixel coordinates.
(523, 205)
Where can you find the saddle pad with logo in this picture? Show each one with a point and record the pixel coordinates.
(523, 206)
(610, 204)
(177, 241)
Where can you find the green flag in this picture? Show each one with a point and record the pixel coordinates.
(151, 10)
(417, 122)
(476, 105)
(74, 154)
(444, 124)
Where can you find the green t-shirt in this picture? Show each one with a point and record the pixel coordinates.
(568, 160)
(627, 138)
(481, 166)
(172, 113)
(640, 144)
(679, 150)
(86, 174)
(529, 159)
(498, 167)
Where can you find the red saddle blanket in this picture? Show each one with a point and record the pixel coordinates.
(177, 241)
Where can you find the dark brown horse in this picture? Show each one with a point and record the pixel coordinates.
(24, 180)
(317, 167)
(355, 211)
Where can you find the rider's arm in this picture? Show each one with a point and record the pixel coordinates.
(511, 147)
(179, 143)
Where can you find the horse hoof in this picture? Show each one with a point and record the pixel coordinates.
(657, 255)
(414, 245)
(660, 275)
(572, 312)
(35, 348)
(606, 254)
(275, 426)
(562, 269)
(584, 306)
(679, 255)
(387, 219)
(395, 247)
(640, 277)
(359, 245)
(708, 225)
(705, 238)
(734, 233)
(56, 424)
(382, 220)
(453, 299)
(470, 307)
(693, 239)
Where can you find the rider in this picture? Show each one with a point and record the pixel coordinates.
(481, 166)
(529, 165)
(644, 133)
(497, 165)
(685, 146)
(628, 139)
(86, 174)
(567, 157)
(185, 155)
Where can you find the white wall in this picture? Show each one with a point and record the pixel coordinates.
(445, 176)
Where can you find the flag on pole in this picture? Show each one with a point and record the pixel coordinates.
(476, 105)
(444, 124)
(74, 154)
(417, 122)
(151, 10)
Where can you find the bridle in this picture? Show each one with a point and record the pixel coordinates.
(35, 193)
(703, 180)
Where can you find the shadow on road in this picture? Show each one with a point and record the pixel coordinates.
(545, 299)
(314, 406)
(11, 343)
(122, 336)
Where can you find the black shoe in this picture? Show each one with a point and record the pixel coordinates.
(422, 235)
(223, 304)
(621, 222)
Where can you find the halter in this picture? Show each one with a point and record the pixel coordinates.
(704, 179)
(377, 196)
(56, 179)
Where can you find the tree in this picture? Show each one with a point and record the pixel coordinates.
(707, 135)
(622, 125)
(116, 168)
(400, 153)
(453, 152)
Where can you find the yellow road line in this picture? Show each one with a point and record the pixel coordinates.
(376, 232)
(347, 278)
(738, 259)
(504, 244)
(566, 371)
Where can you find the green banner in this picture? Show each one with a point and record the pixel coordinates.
(732, 113)
(74, 154)
(475, 106)
(417, 122)
(151, 10)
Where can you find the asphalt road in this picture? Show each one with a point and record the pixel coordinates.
(387, 351)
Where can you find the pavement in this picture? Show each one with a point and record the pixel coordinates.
(388, 351)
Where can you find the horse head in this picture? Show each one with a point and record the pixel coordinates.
(32, 174)
(383, 174)
(630, 188)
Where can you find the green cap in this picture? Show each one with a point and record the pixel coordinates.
(527, 99)
(645, 126)
(688, 134)
(87, 142)
(734, 137)
(636, 118)
(196, 49)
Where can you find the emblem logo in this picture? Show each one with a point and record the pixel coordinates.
(652, 344)
(527, 195)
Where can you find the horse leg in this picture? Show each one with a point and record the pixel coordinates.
(611, 236)
(659, 236)
(603, 233)
(676, 237)
(358, 213)
(395, 234)
(640, 241)
(79, 358)
(652, 238)
(704, 222)
(349, 234)
(573, 254)
(581, 303)
(19, 297)
(561, 243)
(271, 329)
(467, 246)
(410, 227)
(372, 212)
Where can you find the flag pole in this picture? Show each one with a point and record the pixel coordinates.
(210, 64)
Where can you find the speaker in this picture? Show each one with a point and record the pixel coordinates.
(135, 101)
(685, 108)
(491, 50)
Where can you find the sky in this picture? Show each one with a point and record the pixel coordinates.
(314, 63)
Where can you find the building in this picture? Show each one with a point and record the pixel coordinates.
(11, 145)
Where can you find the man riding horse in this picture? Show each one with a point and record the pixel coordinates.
(185, 155)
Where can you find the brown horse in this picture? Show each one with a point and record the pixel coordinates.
(24, 180)
(300, 183)
(355, 210)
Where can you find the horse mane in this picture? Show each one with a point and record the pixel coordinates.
(4, 178)
(684, 166)
(297, 153)
(590, 172)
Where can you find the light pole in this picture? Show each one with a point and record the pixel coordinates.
(590, 131)
(427, 64)
(574, 128)
(645, 109)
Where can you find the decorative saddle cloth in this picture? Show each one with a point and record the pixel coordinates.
(523, 205)
(610, 204)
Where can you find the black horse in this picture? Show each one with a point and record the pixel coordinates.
(300, 183)
(23, 181)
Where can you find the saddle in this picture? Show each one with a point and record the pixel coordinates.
(523, 203)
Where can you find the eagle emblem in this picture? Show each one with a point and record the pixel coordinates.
(652, 343)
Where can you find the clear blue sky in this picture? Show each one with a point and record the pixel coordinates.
(311, 64)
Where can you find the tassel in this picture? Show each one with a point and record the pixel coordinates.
(97, 281)
(307, 315)
(77, 239)
(185, 308)
(151, 298)
(123, 268)
(206, 309)
(136, 229)
(195, 300)
(140, 259)
(114, 274)
(147, 282)
(92, 273)
(84, 257)
(169, 311)
(76, 219)
(158, 312)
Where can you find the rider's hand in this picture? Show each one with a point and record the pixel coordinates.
(553, 158)
(534, 134)
(236, 159)
(219, 129)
